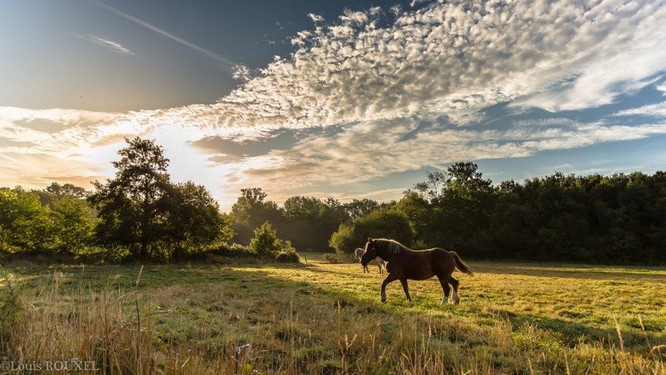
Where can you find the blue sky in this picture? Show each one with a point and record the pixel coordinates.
(348, 99)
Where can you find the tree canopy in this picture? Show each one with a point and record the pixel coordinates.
(141, 210)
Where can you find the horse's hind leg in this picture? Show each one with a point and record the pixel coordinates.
(405, 287)
(443, 281)
(454, 283)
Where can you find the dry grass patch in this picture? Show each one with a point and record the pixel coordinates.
(326, 318)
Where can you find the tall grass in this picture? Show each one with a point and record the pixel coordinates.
(183, 329)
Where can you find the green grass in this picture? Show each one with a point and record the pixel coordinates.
(327, 318)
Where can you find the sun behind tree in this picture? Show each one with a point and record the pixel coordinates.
(142, 211)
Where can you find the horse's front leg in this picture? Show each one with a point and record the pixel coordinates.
(391, 277)
(405, 287)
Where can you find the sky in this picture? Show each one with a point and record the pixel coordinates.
(347, 99)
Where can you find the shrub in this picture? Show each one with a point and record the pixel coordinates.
(288, 257)
(234, 250)
(265, 242)
(116, 254)
(332, 258)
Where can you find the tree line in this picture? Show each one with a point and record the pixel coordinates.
(141, 214)
(596, 219)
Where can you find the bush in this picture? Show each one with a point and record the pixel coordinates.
(288, 257)
(234, 250)
(265, 241)
(332, 258)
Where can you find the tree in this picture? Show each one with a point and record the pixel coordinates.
(462, 209)
(129, 206)
(66, 190)
(195, 219)
(420, 215)
(73, 225)
(265, 241)
(25, 225)
(309, 222)
(387, 223)
(140, 209)
(430, 189)
(360, 207)
(57, 191)
(250, 211)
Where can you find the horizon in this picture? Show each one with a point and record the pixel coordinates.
(348, 99)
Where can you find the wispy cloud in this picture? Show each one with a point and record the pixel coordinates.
(661, 87)
(368, 151)
(315, 17)
(656, 110)
(228, 63)
(106, 43)
(374, 83)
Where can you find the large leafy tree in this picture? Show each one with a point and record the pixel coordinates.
(420, 215)
(458, 214)
(195, 218)
(311, 221)
(141, 210)
(73, 225)
(25, 224)
(360, 207)
(131, 206)
(252, 210)
(388, 223)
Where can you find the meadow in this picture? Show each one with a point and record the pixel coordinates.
(322, 318)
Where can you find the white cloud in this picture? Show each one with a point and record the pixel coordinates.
(108, 43)
(315, 17)
(447, 59)
(372, 150)
(241, 73)
(378, 82)
(661, 87)
(656, 110)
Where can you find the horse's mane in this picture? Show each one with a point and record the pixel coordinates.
(390, 246)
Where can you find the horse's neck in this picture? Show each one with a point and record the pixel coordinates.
(387, 255)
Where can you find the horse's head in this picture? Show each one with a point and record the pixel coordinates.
(370, 252)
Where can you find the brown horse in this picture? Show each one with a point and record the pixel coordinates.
(407, 264)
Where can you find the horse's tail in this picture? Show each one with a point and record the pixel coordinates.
(460, 264)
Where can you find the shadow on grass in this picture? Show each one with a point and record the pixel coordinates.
(572, 333)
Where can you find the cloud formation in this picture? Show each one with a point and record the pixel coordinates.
(655, 110)
(106, 43)
(402, 88)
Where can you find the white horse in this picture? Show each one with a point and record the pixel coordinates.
(358, 253)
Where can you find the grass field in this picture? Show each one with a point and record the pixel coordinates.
(320, 318)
